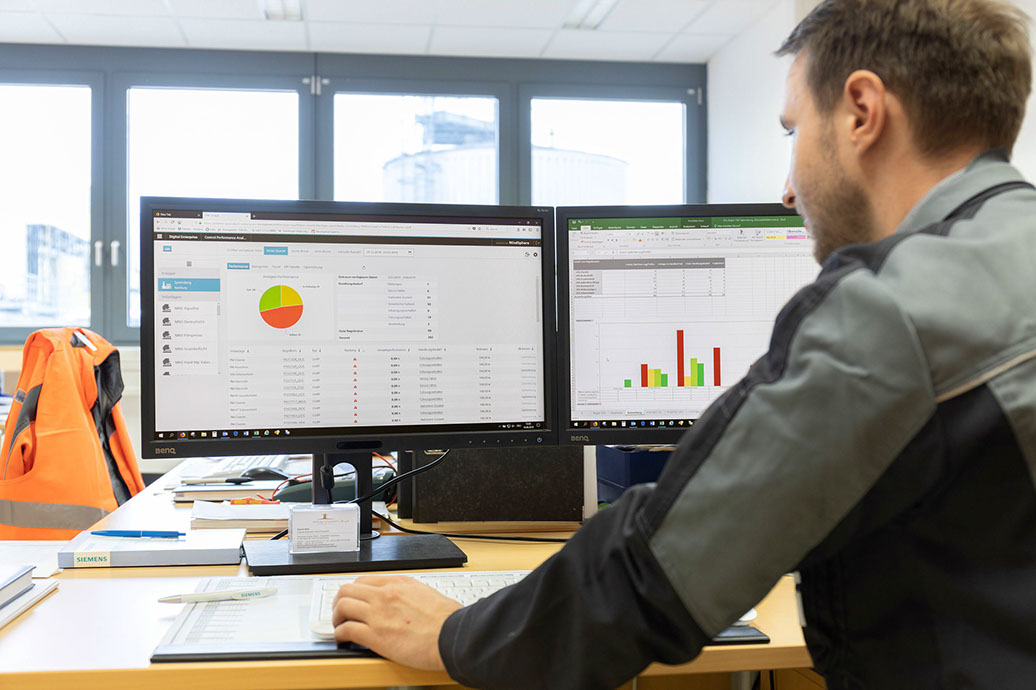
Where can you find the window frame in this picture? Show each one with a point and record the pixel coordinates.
(411, 87)
(118, 285)
(95, 81)
(693, 174)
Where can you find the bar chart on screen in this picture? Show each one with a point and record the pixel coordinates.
(678, 367)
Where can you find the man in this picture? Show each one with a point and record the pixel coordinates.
(884, 447)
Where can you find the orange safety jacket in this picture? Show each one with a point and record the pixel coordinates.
(67, 460)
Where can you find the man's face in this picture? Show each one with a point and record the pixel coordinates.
(835, 208)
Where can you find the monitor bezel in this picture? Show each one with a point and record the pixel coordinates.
(567, 434)
(337, 443)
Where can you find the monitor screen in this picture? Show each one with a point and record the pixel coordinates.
(663, 308)
(292, 326)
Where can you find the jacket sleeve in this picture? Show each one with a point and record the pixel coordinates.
(768, 471)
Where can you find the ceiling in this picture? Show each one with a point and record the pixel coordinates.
(629, 30)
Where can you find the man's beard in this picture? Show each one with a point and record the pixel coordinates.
(839, 212)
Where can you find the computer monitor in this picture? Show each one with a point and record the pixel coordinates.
(662, 308)
(343, 328)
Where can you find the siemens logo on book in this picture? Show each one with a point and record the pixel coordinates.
(165, 451)
(583, 439)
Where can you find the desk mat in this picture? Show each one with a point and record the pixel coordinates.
(274, 627)
(277, 626)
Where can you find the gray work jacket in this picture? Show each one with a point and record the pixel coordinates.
(884, 447)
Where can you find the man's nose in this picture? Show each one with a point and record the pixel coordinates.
(788, 197)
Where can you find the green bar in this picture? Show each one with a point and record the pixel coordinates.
(701, 373)
(694, 372)
(665, 380)
(756, 222)
(656, 377)
(673, 223)
(628, 383)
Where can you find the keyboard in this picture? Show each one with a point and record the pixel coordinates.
(219, 468)
(467, 587)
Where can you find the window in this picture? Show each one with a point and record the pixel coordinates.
(207, 142)
(86, 131)
(587, 152)
(45, 205)
(415, 148)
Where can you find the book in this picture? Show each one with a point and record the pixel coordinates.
(198, 547)
(186, 493)
(253, 518)
(26, 600)
(14, 580)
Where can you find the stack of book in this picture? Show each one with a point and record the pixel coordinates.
(18, 592)
(253, 518)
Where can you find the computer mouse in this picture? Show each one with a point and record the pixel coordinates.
(265, 473)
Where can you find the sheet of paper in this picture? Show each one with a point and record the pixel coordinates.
(281, 617)
(42, 554)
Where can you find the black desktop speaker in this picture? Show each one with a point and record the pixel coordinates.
(495, 485)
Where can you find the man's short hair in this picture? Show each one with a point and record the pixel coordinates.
(961, 68)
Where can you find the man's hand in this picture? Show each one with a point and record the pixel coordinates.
(397, 617)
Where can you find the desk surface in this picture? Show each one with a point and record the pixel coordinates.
(99, 628)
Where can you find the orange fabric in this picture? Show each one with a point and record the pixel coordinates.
(59, 458)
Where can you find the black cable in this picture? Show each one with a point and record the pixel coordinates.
(397, 479)
(492, 537)
(387, 485)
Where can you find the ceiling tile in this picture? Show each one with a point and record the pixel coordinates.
(493, 42)
(504, 13)
(693, 47)
(88, 29)
(389, 39)
(653, 15)
(244, 34)
(224, 9)
(604, 45)
(136, 8)
(371, 11)
(729, 16)
(26, 27)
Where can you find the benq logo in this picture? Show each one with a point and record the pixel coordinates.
(584, 439)
(165, 451)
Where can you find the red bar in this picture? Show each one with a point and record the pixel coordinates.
(715, 365)
(679, 358)
(643, 376)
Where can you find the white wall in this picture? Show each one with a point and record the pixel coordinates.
(748, 154)
(1025, 148)
(748, 157)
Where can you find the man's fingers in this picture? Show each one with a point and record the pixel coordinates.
(355, 631)
(357, 590)
(348, 608)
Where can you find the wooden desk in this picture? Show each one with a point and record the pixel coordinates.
(97, 631)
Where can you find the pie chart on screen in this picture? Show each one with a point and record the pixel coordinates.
(281, 306)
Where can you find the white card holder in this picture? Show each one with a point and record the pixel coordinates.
(324, 528)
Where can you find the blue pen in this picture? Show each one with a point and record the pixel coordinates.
(137, 533)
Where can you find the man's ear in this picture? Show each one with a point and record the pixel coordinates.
(865, 107)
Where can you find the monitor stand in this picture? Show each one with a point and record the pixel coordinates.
(393, 552)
